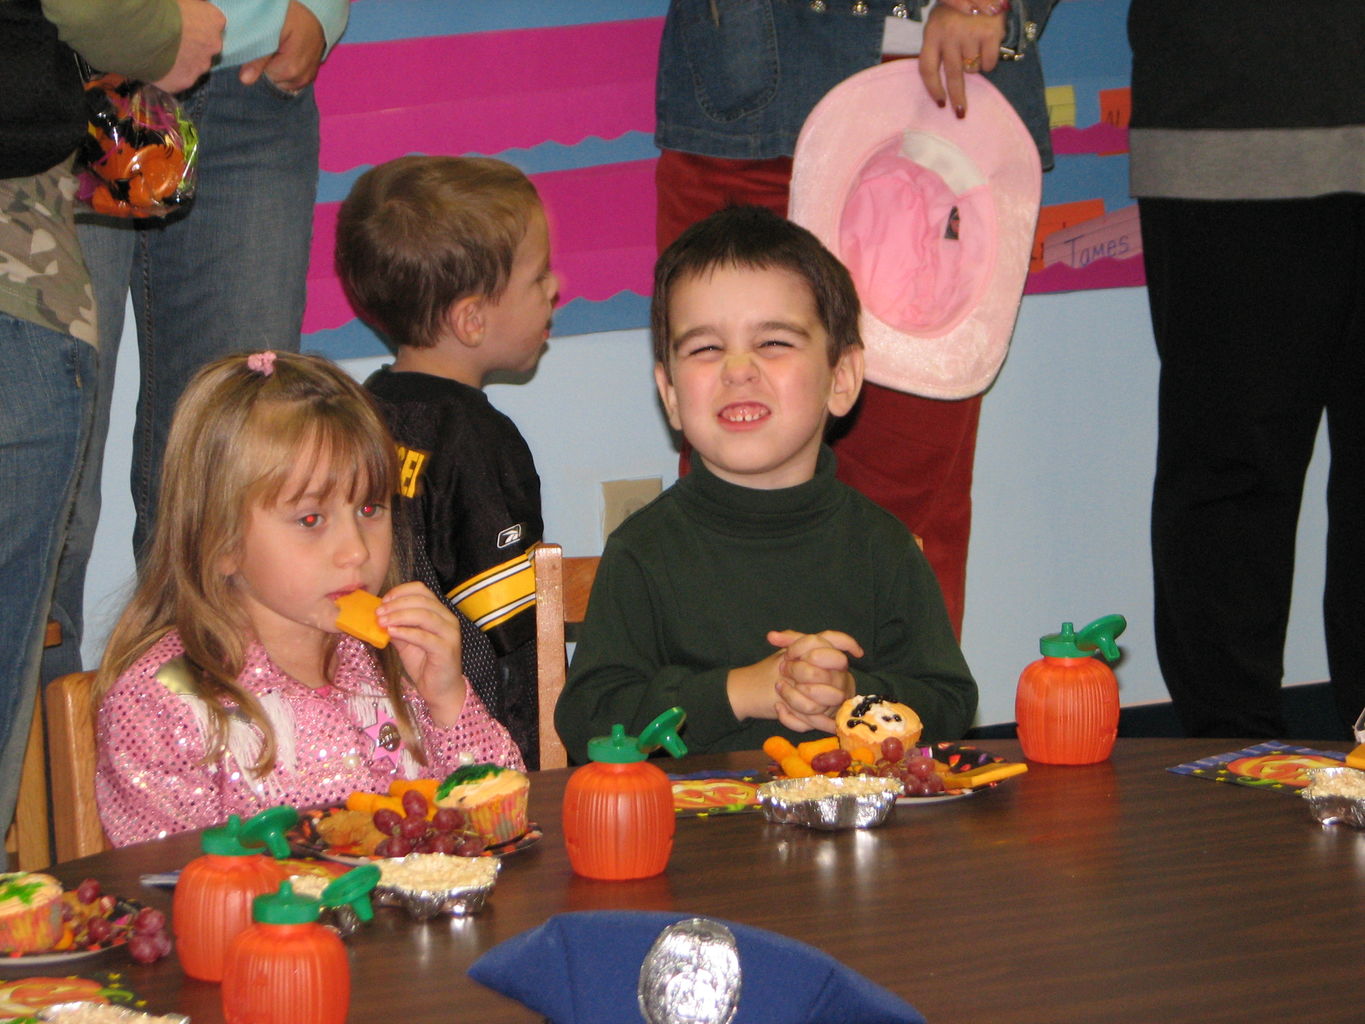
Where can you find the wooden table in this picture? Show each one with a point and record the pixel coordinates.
(1112, 892)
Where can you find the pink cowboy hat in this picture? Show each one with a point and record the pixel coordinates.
(933, 216)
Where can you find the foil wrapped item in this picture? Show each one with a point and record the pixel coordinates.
(1336, 796)
(691, 975)
(104, 1013)
(427, 885)
(860, 801)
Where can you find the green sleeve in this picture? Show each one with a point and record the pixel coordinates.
(915, 658)
(137, 38)
(620, 672)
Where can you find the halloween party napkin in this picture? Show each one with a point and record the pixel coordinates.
(584, 968)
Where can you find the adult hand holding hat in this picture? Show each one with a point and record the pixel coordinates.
(932, 214)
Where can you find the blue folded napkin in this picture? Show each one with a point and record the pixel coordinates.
(584, 968)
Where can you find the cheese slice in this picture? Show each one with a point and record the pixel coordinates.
(984, 775)
(1356, 758)
(356, 617)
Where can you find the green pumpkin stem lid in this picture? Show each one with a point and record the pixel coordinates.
(1092, 637)
(618, 748)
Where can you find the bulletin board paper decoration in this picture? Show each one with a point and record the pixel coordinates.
(486, 92)
(1103, 139)
(381, 20)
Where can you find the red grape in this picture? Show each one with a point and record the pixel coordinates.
(448, 819)
(89, 891)
(427, 844)
(470, 844)
(914, 787)
(414, 804)
(149, 921)
(444, 842)
(831, 761)
(387, 821)
(934, 784)
(413, 827)
(920, 766)
(144, 948)
(99, 929)
(892, 748)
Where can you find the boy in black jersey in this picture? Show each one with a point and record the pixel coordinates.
(449, 258)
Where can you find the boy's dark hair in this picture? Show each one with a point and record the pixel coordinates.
(756, 238)
(419, 233)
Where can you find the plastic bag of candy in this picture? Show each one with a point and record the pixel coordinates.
(138, 159)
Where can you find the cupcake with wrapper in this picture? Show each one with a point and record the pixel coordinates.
(491, 798)
(30, 912)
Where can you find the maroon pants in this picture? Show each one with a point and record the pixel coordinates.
(911, 455)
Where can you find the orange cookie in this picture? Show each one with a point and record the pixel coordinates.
(356, 617)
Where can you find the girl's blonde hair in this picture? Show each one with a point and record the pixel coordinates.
(238, 436)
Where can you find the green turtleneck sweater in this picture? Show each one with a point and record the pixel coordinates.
(690, 585)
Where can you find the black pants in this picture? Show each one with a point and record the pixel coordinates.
(1259, 313)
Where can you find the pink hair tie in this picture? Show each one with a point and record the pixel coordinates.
(262, 362)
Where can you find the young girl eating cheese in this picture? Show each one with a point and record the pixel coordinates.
(227, 686)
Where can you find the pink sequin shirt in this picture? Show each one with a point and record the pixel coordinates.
(151, 779)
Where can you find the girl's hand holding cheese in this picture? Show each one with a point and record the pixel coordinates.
(426, 635)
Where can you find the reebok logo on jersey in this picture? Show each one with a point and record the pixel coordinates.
(510, 536)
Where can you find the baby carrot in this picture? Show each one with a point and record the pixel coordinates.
(778, 748)
(811, 748)
(795, 768)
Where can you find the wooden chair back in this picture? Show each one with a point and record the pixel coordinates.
(562, 589)
(69, 703)
(28, 839)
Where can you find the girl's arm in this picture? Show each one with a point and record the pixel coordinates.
(475, 734)
(149, 780)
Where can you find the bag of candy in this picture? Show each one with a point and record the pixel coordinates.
(138, 158)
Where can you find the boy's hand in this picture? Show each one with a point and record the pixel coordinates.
(426, 635)
(813, 677)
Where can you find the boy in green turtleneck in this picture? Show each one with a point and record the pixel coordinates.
(758, 592)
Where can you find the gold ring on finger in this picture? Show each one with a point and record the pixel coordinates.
(971, 64)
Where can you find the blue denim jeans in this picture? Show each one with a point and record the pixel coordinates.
(737, 78)
(46, 396)
(226, 276)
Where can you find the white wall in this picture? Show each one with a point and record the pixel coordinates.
(1063, 476)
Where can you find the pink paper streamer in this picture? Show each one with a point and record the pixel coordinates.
(487, 92)
(1103, 273)
(1098, 138)
(601, 237)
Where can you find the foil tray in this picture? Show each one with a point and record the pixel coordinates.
(424, 904)
(1334, 808)
(122, 1014)
(844, 806)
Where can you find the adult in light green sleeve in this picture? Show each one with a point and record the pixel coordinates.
(47, 319)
